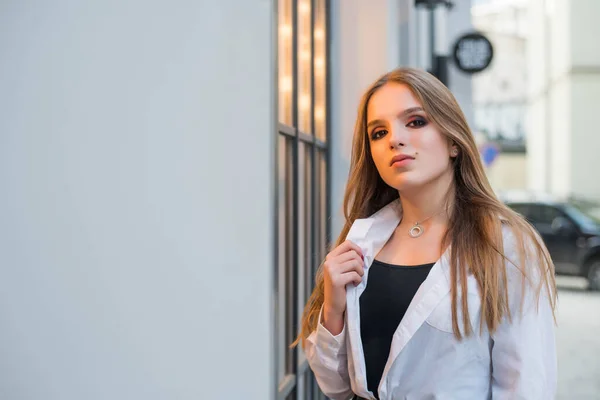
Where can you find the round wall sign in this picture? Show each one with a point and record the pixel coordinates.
(473, 53)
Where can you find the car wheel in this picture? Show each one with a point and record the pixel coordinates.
(594, 275)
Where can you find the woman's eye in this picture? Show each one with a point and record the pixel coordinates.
(378, 134)
(417, 123)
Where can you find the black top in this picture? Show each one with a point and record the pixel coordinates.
(389, 291)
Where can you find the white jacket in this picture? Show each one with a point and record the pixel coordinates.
(426, 361)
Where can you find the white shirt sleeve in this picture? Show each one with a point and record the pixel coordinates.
(327, 357)
(524, 349)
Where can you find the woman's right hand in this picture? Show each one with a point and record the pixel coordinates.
(343, 265)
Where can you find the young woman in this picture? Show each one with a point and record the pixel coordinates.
(435, 289)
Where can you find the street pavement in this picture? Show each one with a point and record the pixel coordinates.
(578, 341)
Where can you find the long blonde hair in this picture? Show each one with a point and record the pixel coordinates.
(475, 226)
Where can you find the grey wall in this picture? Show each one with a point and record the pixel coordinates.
(135, 234)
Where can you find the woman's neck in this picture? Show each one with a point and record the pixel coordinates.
(431, 201)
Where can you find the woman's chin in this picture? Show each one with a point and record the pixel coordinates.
(404, 185)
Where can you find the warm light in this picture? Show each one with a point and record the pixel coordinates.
(304, 7)
(303, 41)
(285, 30)
(304, 102)
(319, 67)
(304, 55)
(319, 114)
(319, 35)
(285, 84)
(319, 63)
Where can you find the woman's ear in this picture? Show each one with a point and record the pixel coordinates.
(453, 151)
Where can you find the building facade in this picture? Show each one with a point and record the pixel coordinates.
(564, 85)
(500, 92)
(173, 175)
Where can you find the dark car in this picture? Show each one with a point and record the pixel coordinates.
(571, 233)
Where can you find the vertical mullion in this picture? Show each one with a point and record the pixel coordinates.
(313, 4)
(313, 176)
(327, 151)
(317, 213)
(293, 271)
(276, 323)
(289, 243)
(295, 65)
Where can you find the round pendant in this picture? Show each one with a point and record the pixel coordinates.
(416, 231)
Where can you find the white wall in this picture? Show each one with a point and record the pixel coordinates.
(135, 216)
(583, 20)
(563, 113)
(548, 116)
(585, 92)
(561, 136)
(536, 122)
(508, 172)
(585, 123)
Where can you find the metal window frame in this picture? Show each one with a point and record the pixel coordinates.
(317, 149)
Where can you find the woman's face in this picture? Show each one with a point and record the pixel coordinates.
(408, 150)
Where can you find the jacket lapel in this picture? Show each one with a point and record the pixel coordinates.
(371, 234)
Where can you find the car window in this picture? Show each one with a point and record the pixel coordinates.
(520, 208)
(584, 217)
(542, 214)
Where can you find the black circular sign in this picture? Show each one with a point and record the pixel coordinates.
(473, 53)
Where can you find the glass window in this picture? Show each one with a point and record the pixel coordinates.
(520, 208)
(285, 45)
(542, 214)
(320, 70)
(304, 40)
(301, 179)
(323, 204)
(302, 229)
(584, 218)
(282, 252)
(310, 223)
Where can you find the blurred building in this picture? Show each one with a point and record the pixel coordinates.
(500, 92)
(172, 175)
(563, 91)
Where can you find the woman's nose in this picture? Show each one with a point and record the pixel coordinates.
(398, 135)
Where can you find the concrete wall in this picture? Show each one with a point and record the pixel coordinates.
(536, 123)
(585, 131)
(508, 172)
(585, 92)
(135, 216)
(564, 66)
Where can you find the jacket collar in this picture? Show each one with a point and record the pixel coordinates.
(371, 234)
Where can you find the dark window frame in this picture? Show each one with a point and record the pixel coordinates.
(294, 273)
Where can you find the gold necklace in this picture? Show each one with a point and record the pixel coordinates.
(417, 229)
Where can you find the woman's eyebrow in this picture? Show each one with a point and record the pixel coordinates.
(402, 114)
